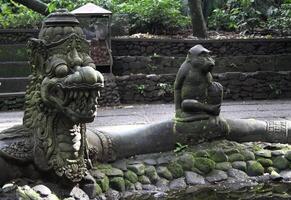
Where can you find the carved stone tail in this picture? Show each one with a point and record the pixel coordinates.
(247, 130)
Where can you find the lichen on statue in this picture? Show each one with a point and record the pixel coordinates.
(198, 99)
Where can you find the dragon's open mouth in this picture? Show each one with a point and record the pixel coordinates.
(78, 100)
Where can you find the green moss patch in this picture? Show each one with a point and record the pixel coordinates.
(176, 169)
(254, 168)
(204, 165)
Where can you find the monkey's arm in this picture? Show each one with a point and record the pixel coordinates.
(178, 86)
(192, 105)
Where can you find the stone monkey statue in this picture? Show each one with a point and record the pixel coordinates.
(198, 98)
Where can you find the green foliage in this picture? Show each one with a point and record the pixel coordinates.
(180, 147)
(165, 88)
(153, 16)
(140, 89)
(237, 15)
(280, 19)
(14, 15)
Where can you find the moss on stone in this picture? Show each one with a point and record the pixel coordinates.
(139, 169)
(98, 189)
(144, 180)
(202, 153)
(186, 161)
(128, 185)
(248, 155)
(103, 183)
(281, 163)
(288, 155)
(254, 168)
(117, 183)
(236, 157)
(219, 156)
(104, 166)
(176, 169)
(204, 165)
(265, 162)
(131, 176)
(223, 166)
(151, 172)
(164, 172)
(270, 169)
(240, 165)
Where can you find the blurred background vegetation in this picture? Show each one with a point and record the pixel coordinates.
(168, 16)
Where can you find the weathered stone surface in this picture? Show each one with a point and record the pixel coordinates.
(138, 186)
(193, 178)
(223, 166)
(236, 157)
(216, 176)
(139, 169)
(144, 180)
(254, 168)
(277, 153)
(288, 155)
(131, 176)
(120, 164)
(286, 174)
(162, 184)
(186, 161)
(264, 153)
(241, 165)
(103, 183)
(202, 153)
(265, 162)
(176, 169)
(97, 174)
(204, 165)
(151, 172)
(281, 163)
(149, 187)
(150, 162)
(113, 172)
(129, 185)
(164, 172)
(275, 176)
(248, 155)
(77, 193)
(112, 194)
(43, 190)
(237, 174)
(219, 156)
(177, 184)
(117, 183)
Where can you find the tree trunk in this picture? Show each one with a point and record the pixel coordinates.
(198, 22)
(35, 5)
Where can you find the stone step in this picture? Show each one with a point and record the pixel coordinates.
(14, 69)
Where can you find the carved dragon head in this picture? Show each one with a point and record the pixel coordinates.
(61, 96)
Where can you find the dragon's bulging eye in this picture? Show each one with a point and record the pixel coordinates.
(61, 70)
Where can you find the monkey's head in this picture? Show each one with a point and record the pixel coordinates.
(200, 58)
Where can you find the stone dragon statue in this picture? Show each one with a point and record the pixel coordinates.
(61, 97)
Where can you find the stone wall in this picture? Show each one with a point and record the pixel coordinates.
(16, 36)
(233, 47)
(141, 88)
(125, 65)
